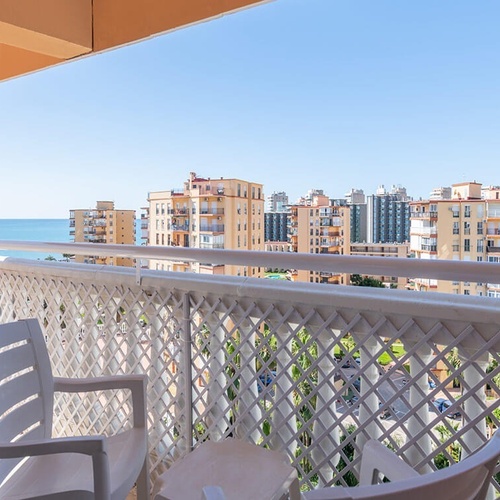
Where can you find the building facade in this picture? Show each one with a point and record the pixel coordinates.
(319, 228)
(388, 216)
(466, 227)
(275, 226)
(208, 213)
(103, 224)
(277, 202)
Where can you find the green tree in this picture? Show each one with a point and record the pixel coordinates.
(50, 257)
(358, 280)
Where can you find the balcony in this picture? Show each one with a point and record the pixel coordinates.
(428, 248)
(424, 231)
(212, 228)
(424, 215)
(205, 342)
(212, 211)
(178, 211)
(184, 228)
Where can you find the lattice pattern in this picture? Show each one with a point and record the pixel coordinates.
(305, 379)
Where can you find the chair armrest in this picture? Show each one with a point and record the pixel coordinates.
(332, 493)
(87, 445)
(95, 446)
(377, 458)
(135, 383)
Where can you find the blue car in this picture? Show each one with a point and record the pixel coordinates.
(442, 405)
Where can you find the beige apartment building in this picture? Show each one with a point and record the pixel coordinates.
(319, 227)
(208, 213)
(399, 250)
(103, 224)
(465, 227)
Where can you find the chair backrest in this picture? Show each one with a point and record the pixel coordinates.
(26, 386)
(466, 480)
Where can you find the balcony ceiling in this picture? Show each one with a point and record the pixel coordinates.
(37, 34)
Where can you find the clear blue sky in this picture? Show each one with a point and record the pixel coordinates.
(295, 94)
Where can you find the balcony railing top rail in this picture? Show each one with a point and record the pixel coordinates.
(438, 269)
(257, 359)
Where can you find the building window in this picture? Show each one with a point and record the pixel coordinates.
(479, 228)
(480, 246)
(466, 210)
(466, 292)
(466, 245)
(466, 227)
(238, 189)
(480, 258)
(456, 227)
(456, 210)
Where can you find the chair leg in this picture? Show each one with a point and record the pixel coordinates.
(294, 490)
(143, 486)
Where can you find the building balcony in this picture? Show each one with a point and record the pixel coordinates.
(493, 232)
(424, 231)
(423, 215)
(178, 227)
(428, 248)
(493, 249)
(212, 228)
(211, 211)
(207, 342)
(493, 214)
(178, 211)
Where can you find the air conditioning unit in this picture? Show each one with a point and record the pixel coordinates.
(219, 218)
(219, 199)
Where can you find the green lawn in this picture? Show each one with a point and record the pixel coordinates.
(385, 359)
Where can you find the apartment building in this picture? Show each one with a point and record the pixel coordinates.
(275, 226)
(466, 227)
(321, 227)
(388, 216)
(400, 250)
(208, 213)
(277, 202)
(103, 224)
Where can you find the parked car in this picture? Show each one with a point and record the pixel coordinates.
(265, 379)
(442, 405)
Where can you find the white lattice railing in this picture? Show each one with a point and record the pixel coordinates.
(257, 358)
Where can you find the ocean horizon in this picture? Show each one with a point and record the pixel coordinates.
(48, 230)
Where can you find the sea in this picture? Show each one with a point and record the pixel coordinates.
(47, 230)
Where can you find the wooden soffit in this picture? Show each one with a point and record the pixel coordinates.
(36, 34)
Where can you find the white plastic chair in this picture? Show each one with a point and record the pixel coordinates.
(76, 468)
(466, 480)
(229, 470)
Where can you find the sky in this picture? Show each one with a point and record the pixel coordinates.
(294, 94)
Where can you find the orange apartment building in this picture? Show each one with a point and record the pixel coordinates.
(319, 227)
(208, 213)
(103, 224)
(465, 227)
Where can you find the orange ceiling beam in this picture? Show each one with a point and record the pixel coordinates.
(35, 34)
